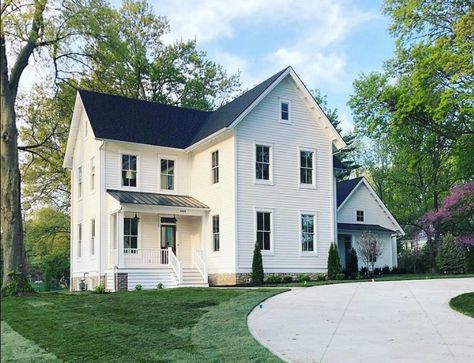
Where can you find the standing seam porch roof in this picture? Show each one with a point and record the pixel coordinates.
(164, 200)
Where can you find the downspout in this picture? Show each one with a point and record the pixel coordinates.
(102, 222)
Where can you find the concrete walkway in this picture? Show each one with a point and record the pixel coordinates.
(402, 321)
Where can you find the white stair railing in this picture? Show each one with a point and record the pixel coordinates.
(198, 260)
(175, 265)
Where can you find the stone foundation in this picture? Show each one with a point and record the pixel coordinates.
(91, 282)
(245, 278)
(121, 281)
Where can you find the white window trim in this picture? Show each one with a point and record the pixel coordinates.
(92, 241)
(284, 100)
(270, 181)
(139, 229)
(218, 167)
(168, 157)
(270, 252)
(213, 251)
(80, 186)
(134, 153)
(92, 163)
(79, 247)
(355, 215)
(316, 234)
(314, 184)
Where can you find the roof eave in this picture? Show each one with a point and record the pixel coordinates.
(71, 140)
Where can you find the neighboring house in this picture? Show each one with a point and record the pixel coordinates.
(164, 194)
(360, 210)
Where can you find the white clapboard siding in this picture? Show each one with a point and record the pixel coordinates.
(285, 196)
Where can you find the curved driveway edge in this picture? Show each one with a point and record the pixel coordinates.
(402, 321)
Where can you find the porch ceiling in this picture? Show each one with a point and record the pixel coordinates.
(165, 200)
(362, 227)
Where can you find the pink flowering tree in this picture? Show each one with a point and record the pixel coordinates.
(456, 216)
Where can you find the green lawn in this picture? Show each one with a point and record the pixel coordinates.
(463, 303)
(397, 277)
(163, 325)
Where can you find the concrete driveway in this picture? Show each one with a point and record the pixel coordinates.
(402, 321)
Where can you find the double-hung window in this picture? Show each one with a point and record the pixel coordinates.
(92, 237)
(79, 240)
(129, 170)
(215, 167)
(307, 171)
(285, 107)
(264, 230)
(215, 233)
(262, 162)
(360, 216)
(92, 174)
(130, 234)
(79, 181)
(307, 233)
(167, 174)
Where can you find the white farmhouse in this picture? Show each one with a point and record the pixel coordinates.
(170, 195)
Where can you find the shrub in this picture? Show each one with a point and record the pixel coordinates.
(334, 265)
(395, 270)
(450, 257)
(138, 287)
(415, 261)
(321, 277)
(469, 259)
(386, 270)
(377, 271)
(363, 271)
(257, 265)
(17, 285)
(351, 263)
(274, 279)
(287, 278)
(340, 276)
(303, 277)
(100, 289)
(160, 286)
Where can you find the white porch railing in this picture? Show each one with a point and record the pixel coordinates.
(198, 261)
(145, 257)
(175, 265)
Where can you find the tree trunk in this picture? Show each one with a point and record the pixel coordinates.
(10, 213)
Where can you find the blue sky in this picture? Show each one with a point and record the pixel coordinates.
(328, 42)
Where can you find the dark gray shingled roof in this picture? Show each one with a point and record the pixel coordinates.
(125, 119)
(165, 200)
(344, 188)
(362, 227)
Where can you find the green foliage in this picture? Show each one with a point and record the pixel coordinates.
(340, 276)
(287, 278)
(415, 260)
(138, 287)
(334, 265)
(469, 259)
(160, 286)
(303, 278)
(100, 289)
(352, 266)
(450, 258)
(257, 266)
(321, 277)
(274, 279)
(18, 285)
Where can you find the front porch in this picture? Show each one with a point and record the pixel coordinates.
(156, 243)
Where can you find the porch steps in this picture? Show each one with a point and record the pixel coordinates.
(150, 280)
(192, 278)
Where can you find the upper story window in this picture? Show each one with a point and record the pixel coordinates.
(129, 170)
(264, 230)
(285, 109)
(79, 240)
(307, 167)
(92, 174)
(360, 216)
(79, 181)
(167, 174)
(215, 167)
(215, 233)
(307, 233)
(92, 237)
(130, 233)
(262, 162)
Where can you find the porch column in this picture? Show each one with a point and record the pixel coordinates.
(204, 234)
(120, 253)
